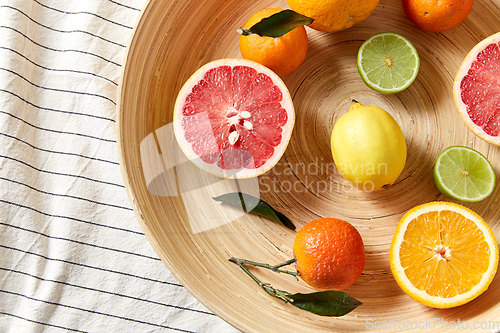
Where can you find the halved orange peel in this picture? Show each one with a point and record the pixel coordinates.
(443, 254)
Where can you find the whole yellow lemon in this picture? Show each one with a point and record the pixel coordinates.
(368, 147)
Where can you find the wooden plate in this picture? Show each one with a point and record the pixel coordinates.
(195, 236)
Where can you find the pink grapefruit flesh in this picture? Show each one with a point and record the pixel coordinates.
(233, 118)
(476, 89)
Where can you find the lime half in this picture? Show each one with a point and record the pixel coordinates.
(464, 174)
(388, 62)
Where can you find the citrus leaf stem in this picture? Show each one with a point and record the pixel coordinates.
(281, 294)
(330, 303)
(274, 268)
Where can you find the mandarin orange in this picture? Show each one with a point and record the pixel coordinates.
(330, 254)
(282, 54)
(437, 16)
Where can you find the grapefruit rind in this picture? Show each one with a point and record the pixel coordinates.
(213, 169)
(421, 296)
(462, 71)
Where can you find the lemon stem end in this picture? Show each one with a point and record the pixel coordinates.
(355, 104)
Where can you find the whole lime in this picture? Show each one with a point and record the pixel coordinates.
(368, 147)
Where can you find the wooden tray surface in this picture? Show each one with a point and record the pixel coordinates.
(171, 41)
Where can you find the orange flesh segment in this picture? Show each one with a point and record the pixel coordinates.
(444, 254)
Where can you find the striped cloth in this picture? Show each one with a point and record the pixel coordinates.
(72, 255)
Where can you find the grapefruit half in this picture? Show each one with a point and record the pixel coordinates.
(476, 89)
(233, 118)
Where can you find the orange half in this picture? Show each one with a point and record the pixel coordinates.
(443, 254)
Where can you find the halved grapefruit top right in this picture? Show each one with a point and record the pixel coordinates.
(476, 89)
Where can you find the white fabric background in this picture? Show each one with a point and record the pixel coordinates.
(72, 255)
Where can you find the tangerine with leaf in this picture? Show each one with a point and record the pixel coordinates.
(279, 51)
(329, 256)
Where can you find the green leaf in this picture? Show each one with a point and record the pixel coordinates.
(277, 24)
(256, 206)
(325, 303)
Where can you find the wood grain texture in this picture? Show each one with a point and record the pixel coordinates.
(171, 41)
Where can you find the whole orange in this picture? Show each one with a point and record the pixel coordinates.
(330, 254)
(437, 15)
(334, 15)
(282, 54)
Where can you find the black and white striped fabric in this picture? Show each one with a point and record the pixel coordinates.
(72, 255)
